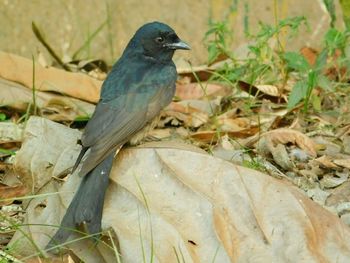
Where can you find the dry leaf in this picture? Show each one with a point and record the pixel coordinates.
(7, 192)
(310, 54)
(197, 91)
(285, 136)
(268, 92)
(213, 136)
(195, 206)
(58, 141)
(326, 161)
(10, 132)
(53, 106)
(331, 181)
(77, 85)
(233, 125)
(339, 195)
(230, 151)
(342, 162)
(191, 117)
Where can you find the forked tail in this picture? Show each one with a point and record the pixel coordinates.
(87, 204)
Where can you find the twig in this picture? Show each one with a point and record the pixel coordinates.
(40, 37)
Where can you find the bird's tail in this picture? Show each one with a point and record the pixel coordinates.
(87, 204)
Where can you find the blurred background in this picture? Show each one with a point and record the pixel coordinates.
(83, 29)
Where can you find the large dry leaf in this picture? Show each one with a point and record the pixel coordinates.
(78, 85)
(48, 149)
(184, 204)
(53, 106)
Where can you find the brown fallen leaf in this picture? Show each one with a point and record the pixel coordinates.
(310, 54)
(268, 92)
(52, 106)
(326, 161)
(197, 91)
(213, 136)
(233, 125)
(342, 162)
(285, 136)
(9, 192)
(77, 85)
(191, 117)
(209, 107)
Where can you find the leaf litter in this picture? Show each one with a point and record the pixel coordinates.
(249, 125)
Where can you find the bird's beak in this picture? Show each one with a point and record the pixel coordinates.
(178, 45)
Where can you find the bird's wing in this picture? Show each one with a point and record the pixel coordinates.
(115, 121)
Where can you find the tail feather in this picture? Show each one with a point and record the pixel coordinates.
(87, 204)
(81, 155)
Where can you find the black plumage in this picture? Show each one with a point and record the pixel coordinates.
(140, 84)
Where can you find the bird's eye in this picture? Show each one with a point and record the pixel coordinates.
(159, 39)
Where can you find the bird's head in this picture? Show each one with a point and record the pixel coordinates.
(157, 40)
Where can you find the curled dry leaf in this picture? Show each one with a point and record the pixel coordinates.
(268, 92)
(190, 204)
(285, 136)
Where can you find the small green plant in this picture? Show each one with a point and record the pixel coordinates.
(254, 164)
(263, 61)
(267, 61)
(218, 38)
(311, 76)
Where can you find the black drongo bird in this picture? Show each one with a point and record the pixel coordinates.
(140, 84)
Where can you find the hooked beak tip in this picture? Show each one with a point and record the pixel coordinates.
(178, 45)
